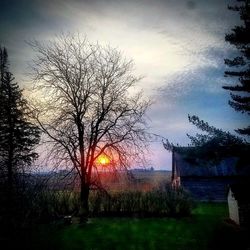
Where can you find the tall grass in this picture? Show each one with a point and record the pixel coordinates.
(164, 201)
(52, 205)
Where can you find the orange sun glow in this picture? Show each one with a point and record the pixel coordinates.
(103, 160)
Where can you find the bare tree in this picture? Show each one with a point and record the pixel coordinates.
(86, 107)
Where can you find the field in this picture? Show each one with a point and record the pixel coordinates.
(206, 229)
(138, 180)
(133, 180)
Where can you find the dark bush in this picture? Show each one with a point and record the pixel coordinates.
(51, 205)
(166, 201)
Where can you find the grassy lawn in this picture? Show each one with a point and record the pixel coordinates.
(198, 232)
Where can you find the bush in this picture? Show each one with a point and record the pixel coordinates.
(166, 201)
(50, 205)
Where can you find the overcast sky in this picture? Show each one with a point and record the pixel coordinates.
(177, 45)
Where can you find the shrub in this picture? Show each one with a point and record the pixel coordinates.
(166, 201)
(51, 205)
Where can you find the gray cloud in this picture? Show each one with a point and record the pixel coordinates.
(178, 45)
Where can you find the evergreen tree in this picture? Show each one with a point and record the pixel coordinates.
(240, 38)
(17, 135)
(211, 146)
(217, 144)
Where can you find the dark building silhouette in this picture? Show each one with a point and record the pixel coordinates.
(207, 182)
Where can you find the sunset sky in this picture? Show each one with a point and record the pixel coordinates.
(177, 45)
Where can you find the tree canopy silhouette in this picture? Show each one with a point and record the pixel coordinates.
(216, 143)
(211, 146)
(240, 64)
(18, 135)
(88, 107)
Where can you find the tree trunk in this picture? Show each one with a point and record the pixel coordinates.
(84, 209)
(10, 157)
(10, 186)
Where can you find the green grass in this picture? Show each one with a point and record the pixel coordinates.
(196, 232)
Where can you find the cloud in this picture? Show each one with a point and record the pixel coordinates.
(177, 45)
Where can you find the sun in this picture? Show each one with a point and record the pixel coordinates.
(103, 160)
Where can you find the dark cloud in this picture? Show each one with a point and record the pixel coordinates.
(191, 5)
(193, 29)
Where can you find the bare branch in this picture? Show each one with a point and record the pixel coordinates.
(85, 106)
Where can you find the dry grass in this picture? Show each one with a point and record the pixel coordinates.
(135, 180)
